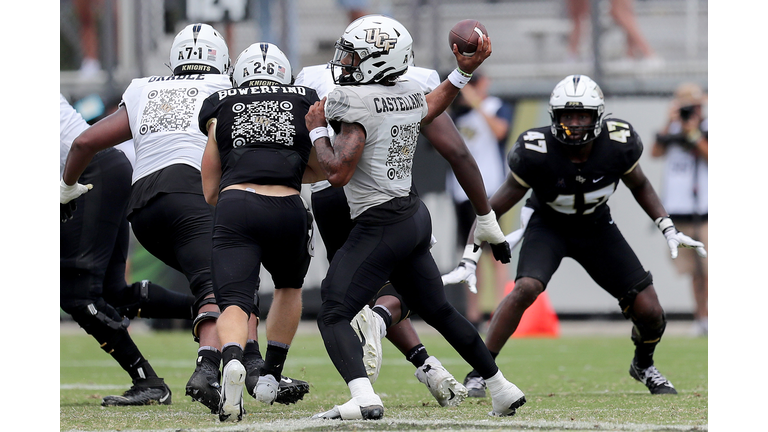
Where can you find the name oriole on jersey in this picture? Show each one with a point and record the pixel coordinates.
(261, 90)
(190, 77)
(399, 103)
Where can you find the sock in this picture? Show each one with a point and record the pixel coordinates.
(252, 349)
(275, 359)
(141, 370)
(384, 313)
(231, 351)
(417, 355)
(210, 353)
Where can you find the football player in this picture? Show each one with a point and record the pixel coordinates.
(388, 315)
(167, 209)
(574, 166)
(257, 154)
(94, 241)
(377, 118)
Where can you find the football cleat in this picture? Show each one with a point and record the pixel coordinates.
(266, 389)
(441, 383)
(291, 390)
(148, 391)
(652, 379)
(231, 405)
(507, 400)
(253, 366)
(367, 407)
(203, 386)
(475, 385)
(367, 324)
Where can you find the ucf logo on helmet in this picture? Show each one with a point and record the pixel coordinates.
(380, 40)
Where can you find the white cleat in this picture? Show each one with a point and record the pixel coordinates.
(507, 400)
(441, 383)
(367, 325)
(361, 408)
(233, 380)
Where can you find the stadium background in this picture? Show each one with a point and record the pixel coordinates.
(529, 57)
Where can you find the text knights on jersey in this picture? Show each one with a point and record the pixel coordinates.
(399, 103)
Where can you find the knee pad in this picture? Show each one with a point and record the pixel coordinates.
(643, 333)
(99, 320)
(204, 316)
(628, 300)
(333, 313)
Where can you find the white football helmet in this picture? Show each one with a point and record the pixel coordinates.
(199, 48)
(263, 61)
(383, 47)
(576, 92)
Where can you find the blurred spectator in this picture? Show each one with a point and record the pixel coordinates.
(684, 142)
(483, 121)
(354, 8)
(623, 14)
(87, 13)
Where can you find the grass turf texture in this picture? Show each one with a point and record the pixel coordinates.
(572, 383)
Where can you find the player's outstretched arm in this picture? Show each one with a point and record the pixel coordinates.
(440, 98)
(646, 196)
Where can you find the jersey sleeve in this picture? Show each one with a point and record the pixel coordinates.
(628, 141)
(207, 112)
(344, 106)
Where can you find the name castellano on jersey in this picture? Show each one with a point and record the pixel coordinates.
(399, 103)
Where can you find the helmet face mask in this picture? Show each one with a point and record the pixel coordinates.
(373, 49)
(262, 61)
(576, 93)
(199, 48)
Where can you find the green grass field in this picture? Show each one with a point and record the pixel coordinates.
(572, 383)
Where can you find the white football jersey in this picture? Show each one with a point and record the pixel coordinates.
(163, 114)
(319, 77)
(391, 116)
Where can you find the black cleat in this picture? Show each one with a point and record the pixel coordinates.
(203, 386)
(149, 391)
(253, 366)
(291, 390)
(652, 379)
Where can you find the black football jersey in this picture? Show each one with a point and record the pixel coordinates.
(569, 192)
(261, 133)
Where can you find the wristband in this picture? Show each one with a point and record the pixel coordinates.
(318, 132)
(459, 78)
(665, 224)
(471, 255)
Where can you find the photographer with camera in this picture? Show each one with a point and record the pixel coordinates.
(684, 142)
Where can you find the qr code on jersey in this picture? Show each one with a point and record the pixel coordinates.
(401, 150)
(168, 110)
(263, 121)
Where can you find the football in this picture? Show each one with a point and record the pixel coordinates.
(465, 35)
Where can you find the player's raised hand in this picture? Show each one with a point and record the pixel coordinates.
(469, 64)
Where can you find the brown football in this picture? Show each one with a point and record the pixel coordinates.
(465, 35)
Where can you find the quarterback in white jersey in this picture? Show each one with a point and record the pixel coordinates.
(167, 209)
(377, 117)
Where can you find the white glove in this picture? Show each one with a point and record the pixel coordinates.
(488, 229)
(677, 239)
(514, 237)
(67, 193)
(465, 271)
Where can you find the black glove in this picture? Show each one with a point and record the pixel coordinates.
(67, 210)
(501, 252)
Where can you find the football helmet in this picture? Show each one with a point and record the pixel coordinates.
(263, 61)
(373, 49)
(200, 45)
(577, 92)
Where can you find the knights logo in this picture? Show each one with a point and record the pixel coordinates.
(580, 179)
(379, 39)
